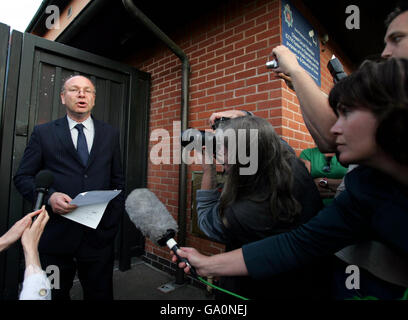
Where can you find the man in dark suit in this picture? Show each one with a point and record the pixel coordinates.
(81, 159)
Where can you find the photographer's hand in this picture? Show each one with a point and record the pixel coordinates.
(226, 114)
(316, 111)
(288, 64)
(287, 61)
(287, 79)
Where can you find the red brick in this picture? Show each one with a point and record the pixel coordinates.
(275, 94)
(224, 65)
(268, 86)
(224, 35)
(245, 58)
(215, 90)
(257, 80)
(223, 96)
(255, 13)
(262, 114)
(244, 26)
(205, 100)
(234, 102)
(224, 80)
(235, 69)
(258, 28)
(244, 43)
(206, 85)
(206, 43)
(256, 97)
(245, 74)
(235, 85)
(234, 54)
(245, 91)
(198, 94)
(234, 39)
(223, 50)
(234, 23)
(215, 75)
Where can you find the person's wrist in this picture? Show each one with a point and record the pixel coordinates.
(247, 113)
(207, 265)
(31, 270)
(3, 244)
(31, 257)
(295, 71)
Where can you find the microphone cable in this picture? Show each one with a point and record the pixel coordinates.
(221, 289)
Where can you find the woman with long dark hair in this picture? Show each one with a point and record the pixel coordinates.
(267, 190)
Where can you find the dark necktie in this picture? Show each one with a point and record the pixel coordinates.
(82, 146)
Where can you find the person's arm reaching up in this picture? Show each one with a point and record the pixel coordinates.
(316, 111)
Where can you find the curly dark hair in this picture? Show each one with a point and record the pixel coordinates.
(381, 87)
(273, 178)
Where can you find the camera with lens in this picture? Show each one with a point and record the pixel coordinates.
(199, 138)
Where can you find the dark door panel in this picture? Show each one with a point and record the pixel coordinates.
(34, 84)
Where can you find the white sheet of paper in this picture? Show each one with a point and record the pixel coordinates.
(89, 215)
(91, 206)
(94, 197)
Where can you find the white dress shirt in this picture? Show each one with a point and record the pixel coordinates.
(89, 131)
(36, 285)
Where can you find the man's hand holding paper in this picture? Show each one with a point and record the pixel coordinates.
(60, 203)
(90, 207)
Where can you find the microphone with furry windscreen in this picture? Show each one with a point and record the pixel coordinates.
(155, 222)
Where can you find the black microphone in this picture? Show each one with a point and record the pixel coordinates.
(43, 180)
(153, 219)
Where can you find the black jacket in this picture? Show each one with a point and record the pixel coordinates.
(373, 207)
(51, 147)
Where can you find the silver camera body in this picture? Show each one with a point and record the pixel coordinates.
(273, 64)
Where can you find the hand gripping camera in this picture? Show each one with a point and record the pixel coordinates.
(200, 138)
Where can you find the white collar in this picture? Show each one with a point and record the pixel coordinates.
(88, 123)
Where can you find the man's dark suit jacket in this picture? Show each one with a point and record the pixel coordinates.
(51, 147)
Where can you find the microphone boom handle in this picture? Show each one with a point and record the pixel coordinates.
(172, 244)
(181, 259)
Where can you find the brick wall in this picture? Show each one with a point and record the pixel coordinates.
(227, 50)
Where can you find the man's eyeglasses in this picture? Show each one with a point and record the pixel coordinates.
(78, 90)
(327, 167)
